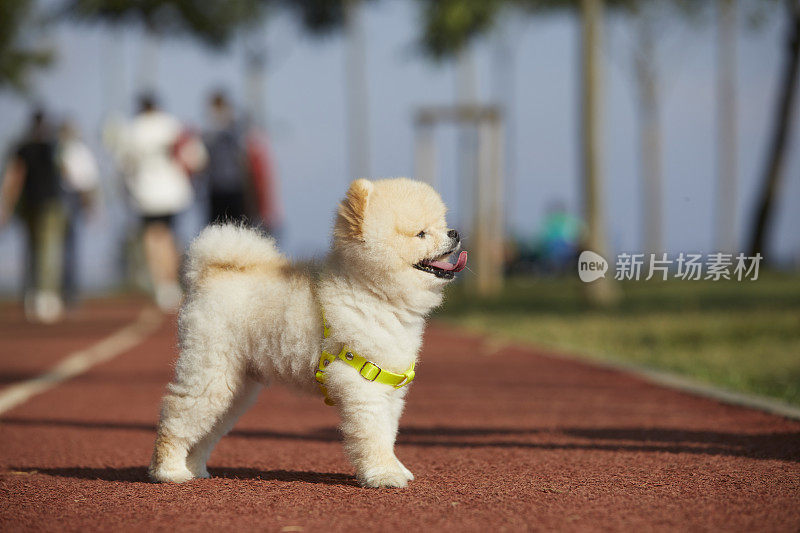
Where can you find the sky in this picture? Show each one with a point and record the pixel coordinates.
(98, 67)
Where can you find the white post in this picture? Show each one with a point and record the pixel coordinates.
(498, 200)
(488, 223)
(603, 291)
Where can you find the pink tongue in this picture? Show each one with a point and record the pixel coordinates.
(444, 265)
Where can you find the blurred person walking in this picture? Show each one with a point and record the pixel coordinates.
(79, 180)
(32, 185)
(157, 156)
(559, 238)
(239, 174)
(227, 172)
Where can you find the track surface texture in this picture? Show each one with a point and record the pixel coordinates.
(499, 437)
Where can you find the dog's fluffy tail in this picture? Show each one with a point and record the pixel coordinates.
(230, 247)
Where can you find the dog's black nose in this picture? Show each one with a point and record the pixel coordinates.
(453, 234)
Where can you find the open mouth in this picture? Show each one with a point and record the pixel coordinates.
(441, 268)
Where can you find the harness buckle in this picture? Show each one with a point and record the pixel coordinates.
(370, 371)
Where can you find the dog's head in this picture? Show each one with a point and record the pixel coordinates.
(396, 228)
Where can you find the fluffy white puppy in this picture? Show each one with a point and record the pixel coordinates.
(251, 319)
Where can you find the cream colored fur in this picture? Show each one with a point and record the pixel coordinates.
(252, 319)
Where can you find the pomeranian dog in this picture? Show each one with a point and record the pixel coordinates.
(352, 328)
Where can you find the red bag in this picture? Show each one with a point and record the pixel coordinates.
(259, 162)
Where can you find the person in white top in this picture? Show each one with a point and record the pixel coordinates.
(157, 157)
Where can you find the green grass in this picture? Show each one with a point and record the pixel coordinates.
(742, 336)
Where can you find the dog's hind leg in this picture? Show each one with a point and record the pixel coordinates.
(190, 412)
(243, 399)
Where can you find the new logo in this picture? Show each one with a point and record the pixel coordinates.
(591, 266)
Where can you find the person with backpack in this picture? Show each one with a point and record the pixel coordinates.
(226, 172)
(239, 175)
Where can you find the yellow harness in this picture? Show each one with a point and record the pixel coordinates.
(368, 370)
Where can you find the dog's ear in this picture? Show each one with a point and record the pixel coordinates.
(352, 210)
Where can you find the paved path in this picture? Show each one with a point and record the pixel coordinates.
(498, 437)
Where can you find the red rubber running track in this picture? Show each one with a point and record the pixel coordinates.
(499, 438)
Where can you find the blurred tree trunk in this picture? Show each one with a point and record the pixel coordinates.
(726, 126)
(780, 133)
(356, 91)
(649, 132)
(603, 291)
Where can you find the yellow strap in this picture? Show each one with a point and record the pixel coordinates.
(326, 330)
(368, 370)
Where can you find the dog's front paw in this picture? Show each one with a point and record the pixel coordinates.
(406, 471)
(197, 467)
(200, 472)
(384, 477)
(170, 475)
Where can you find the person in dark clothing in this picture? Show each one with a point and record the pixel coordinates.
(32, 185)
(227, 172)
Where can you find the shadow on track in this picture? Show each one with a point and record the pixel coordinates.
(779, 446)
(139, 474)
(11, 378)
(325, 434)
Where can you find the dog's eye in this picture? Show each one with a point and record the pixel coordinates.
(421, 234)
